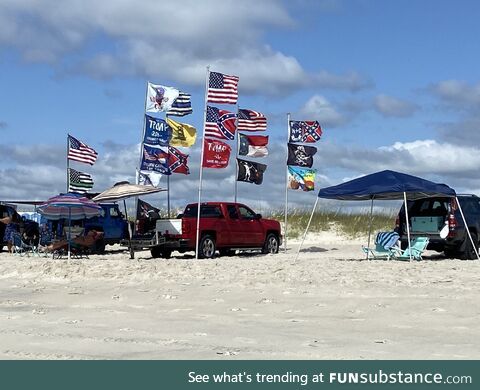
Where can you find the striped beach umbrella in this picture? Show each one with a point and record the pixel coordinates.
(69, 206)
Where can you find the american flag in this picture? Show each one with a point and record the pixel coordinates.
(78, 151)
(79, 182)
(222, 88)
(181, 106)
(249, 120)
(220, 123)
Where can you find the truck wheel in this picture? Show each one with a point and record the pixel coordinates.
(166, 253)
(227, 252)
(469, 252)
(155, 252)
(100, 246)
(271, 244)
(207, 247)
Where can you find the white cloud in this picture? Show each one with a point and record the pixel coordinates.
(319, 108)
(390, 106)
(163, 39)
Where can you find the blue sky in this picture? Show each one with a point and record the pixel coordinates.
(394, 84)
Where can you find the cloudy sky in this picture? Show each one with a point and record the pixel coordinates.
(395, 85)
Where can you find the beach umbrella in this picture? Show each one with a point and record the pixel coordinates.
(124, 190)
(69, 206)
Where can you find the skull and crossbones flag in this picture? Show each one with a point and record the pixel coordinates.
(250, 172)
(301, 155)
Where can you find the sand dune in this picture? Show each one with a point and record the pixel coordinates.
(331, 304)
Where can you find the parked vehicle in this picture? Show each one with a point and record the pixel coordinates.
(429, 215)
(8, 213)
(224, 226)
(112, 223)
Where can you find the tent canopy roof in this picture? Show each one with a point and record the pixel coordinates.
(386, 185)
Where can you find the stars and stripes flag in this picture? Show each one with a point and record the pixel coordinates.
(181, 106)
(222, 88)
(220, 123)
(305, 131)
(249, 120)
(79, 182)
(80, 152)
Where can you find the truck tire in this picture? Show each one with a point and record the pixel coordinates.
(469, 252)
(271, 244)
(207, 247)
(155, 252)
(450, 253)
(100, 246)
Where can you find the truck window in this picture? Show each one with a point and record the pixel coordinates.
(232, 211)
(246, 212)
(114, 212)
(206, 211)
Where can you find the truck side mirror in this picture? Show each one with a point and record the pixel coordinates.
(258, 216)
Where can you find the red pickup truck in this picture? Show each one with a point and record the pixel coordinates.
(224, 226)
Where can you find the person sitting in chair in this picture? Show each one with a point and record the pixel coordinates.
(86, 241)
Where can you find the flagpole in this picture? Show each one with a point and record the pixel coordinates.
(236, 155)
(286, 183)
(68, 162)
(138, 177)
(168, 183)
(207, 77)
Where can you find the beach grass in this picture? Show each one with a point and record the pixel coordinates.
(350, 224)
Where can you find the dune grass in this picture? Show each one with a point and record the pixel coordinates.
(351, 224)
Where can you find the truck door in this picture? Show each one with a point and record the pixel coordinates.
(252, 229)
(237, 236)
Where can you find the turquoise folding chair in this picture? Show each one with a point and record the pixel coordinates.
(385, 248)
(417, 247)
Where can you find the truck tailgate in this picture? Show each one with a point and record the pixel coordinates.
(169, 226)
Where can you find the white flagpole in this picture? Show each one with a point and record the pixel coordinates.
(201, 165)
(236, 155)
(68, 162)
(286, 182)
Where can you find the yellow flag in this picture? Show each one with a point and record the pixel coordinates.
(182, 134)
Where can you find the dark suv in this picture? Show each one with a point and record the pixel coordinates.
(429, 215)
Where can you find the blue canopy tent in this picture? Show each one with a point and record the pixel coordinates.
(386, 185)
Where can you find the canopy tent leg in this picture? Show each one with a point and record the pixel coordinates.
(474, 245)
(306, 230)
(130, 249)
(408, 225)
(370, 228)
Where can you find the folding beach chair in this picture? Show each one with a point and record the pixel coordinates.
(20, 247)
(385, 246)
(417, 247)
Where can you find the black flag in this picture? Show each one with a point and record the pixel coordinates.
(300, 155)
(250, 172)
(146, 210)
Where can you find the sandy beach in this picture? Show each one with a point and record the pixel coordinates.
(331, 304)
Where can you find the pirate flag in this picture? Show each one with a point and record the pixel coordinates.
(250, 172)
(300, 155)
(146, 210)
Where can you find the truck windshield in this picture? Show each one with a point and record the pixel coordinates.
(206, 211)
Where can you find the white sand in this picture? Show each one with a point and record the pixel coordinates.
(331, 304)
